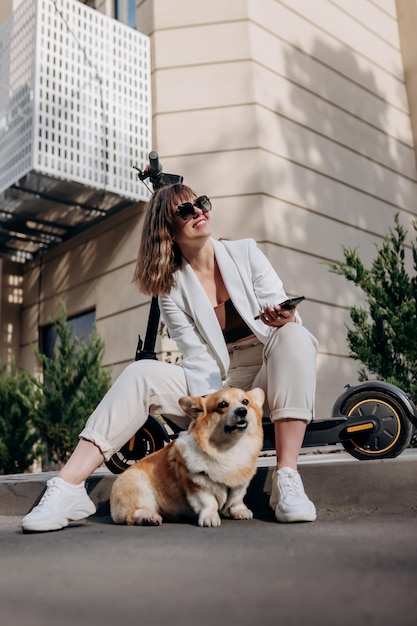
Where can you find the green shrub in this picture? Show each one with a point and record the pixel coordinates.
(72, 386)
(383, 338)
(18, 437)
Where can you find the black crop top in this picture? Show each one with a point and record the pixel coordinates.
(232, 325)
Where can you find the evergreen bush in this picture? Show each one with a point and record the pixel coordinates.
(18, 437)
(383, 337)
(73, 384)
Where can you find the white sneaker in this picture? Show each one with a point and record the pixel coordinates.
(60, 504)
(288, 498)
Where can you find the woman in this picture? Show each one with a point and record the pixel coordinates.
(209, 293)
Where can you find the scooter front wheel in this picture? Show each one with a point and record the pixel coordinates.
(394, 430)
(150, 438)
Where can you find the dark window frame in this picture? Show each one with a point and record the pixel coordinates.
(81, 325)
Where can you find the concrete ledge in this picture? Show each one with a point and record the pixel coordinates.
(337, 484)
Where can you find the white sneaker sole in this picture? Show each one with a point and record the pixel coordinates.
(39, 526)
(309, 514)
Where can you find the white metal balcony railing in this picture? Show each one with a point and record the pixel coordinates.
(75, 116)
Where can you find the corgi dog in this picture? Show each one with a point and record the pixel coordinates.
(203, 473)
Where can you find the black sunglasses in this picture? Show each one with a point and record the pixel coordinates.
(185, 210)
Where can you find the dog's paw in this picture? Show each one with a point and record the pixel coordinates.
(147, 518)
(209, 518)
(240, 511)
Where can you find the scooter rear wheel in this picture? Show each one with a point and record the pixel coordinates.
(148, 439)
(394, 432)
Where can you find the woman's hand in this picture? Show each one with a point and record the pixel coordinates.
(276, 317)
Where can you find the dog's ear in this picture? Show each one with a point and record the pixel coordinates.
(257, 396)
(193, 406)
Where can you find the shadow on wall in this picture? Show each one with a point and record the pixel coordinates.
(351, 168)
(334, 144)
(353, 138)
(100, 253)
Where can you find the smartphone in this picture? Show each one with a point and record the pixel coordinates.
(288, 304)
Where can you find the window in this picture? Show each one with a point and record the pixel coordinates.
(81, 326)
(125, 11)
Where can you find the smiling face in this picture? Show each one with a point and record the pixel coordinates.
(196, 227)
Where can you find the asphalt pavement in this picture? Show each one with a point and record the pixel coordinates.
(356, 565)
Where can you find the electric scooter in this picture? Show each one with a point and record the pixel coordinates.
(371, 420)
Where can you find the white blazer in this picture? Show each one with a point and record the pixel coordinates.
(252, 284)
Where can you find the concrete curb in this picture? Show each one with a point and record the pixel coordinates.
(337, 484)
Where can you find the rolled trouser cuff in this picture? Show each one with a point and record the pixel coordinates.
(105, 448)
(297, 414)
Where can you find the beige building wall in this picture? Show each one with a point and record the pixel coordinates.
(92, 271)
(293, 116)
(11, 290)
(407, 24)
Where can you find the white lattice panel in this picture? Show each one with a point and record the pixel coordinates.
(84, 95)
(17, 64)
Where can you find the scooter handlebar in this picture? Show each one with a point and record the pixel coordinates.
(153, 171)
(154, 167)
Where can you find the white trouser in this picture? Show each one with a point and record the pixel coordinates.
(285, 368)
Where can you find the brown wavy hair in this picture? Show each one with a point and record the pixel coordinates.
(159, 257)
